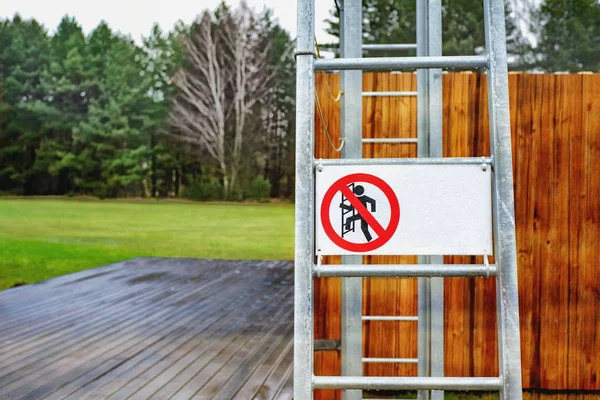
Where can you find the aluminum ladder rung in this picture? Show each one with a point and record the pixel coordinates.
(389, 94)
(390, 140)
(389, 47)
(405, 383)
(404, 318)
(399, 63)
(376, 47)
(406, 270)
(387, 397)
(390, 360)
(404, 161)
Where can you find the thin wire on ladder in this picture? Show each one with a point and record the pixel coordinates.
(336, 149)
(339, 95)
(320, 110)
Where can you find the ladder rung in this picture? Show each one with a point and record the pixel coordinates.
(390, 360)
(405, 383)
(406, 270)
(398, 63)
(376, 47)
(389, 47)
(389, 94)
(391, 140)
(390, 318)
(406, 161)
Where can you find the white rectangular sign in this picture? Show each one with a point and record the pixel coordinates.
(404, 210)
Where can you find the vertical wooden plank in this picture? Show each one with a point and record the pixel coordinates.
(369, 110)
(489, 327)
(590, 282)
(529, 293)
(327, 363)
(390, 297)
(327, 290)
(521, 119)
(542, 131)
(484, 357)
(384, 339)
(331, 115)
(327, 326)
(407, 113)
(544, 228)
(384, 112)
(524, 195)
(395, 121)
(408, 332)
(458, 306)
(576, 192)
(555, 278)
(454, 307)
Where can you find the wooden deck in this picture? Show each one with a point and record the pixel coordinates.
(151, 329)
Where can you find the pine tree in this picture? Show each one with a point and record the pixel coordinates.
(568, 34)
(114, 157)
(162, 57)
(65, 83)
(24, 48)
(279, 105)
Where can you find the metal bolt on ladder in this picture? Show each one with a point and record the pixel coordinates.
(430, 269)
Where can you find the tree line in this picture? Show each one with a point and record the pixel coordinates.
(207, 110)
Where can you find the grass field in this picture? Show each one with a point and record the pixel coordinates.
(41, 238)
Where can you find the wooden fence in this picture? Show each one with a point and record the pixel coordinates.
(555, 122)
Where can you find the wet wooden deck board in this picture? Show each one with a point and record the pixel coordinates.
(151, 328)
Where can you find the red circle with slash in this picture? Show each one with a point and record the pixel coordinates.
(383, 234)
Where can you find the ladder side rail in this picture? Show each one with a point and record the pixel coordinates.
(509, 351)
(423, 285)
(351, 131)
(435, 113)
(304, 227)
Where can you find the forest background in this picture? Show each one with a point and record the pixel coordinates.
(206, 111)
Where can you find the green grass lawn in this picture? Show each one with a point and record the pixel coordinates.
(41, 238)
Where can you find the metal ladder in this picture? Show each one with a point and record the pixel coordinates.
(430, 316)
(428, 63)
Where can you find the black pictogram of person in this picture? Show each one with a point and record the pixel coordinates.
(359, 191)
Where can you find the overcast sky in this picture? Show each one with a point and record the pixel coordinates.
(136, 17)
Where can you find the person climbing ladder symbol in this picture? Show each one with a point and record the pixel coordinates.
(359, 191)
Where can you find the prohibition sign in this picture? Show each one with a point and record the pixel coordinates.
(383, 234)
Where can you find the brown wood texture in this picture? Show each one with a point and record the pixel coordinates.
(555, 121)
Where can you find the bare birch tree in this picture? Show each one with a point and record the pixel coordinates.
(225, 74)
